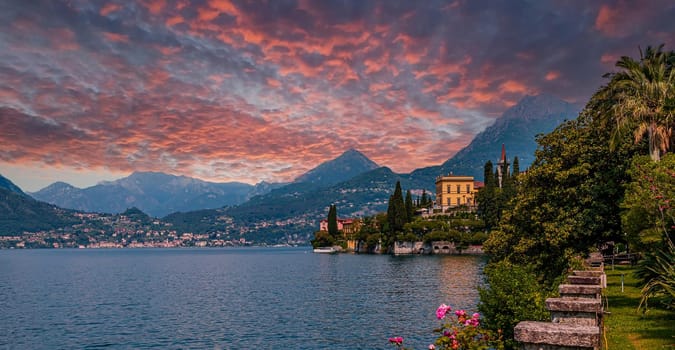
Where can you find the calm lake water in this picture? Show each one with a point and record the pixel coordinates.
(236, 298)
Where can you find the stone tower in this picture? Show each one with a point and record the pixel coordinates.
(502, 166)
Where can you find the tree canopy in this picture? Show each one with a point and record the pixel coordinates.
(644, 99)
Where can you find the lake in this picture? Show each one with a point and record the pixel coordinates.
(231, 298)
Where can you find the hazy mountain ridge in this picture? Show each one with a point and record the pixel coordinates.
(157, 194)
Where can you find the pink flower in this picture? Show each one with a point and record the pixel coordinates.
(396, 340)
(432, 347)
(475, 316)
(442, 310)
(472, 322)
(460, 313)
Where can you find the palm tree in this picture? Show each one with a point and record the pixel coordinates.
(645, 99)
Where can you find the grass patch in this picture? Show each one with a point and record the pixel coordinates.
(627, 328)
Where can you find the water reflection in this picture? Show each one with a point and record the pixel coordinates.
(459, 278)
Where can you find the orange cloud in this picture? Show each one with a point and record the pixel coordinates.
(119, 38)
(171, 21)
(609, 58)
(273, 83)
(225, 6)
(155, 6)
(605, 22)
(514, 86)
(109, 8)
(552, 75)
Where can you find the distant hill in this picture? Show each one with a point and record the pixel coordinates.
(19, 213)
(351, 163)
(10, 186)
(155, 193)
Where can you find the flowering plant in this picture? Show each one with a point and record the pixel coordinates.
(460, 332)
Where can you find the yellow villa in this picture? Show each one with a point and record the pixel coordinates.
(456, 190)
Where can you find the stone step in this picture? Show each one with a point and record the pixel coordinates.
(576, 318)
(559, 334)
(579, 291)
(574, 305)
(584, 280)
(588, 273)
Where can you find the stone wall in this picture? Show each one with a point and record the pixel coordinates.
(436, 247)
(576, 316)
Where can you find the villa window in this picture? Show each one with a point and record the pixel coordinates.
(459, 201)
(449, 189)
(458, 190)
(449, 201)
(468, 188)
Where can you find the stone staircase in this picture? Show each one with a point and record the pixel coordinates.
(576, 316)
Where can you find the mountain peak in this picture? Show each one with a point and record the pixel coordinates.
(353, 153)
(516, 128)
(60, 184)
(536, 107)
(348, 165)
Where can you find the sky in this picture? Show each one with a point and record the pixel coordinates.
(228, 90)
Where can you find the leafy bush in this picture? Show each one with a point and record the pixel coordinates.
(322, 239)
(512, 295)
(479, 237)
(657, 272)
(407, 237)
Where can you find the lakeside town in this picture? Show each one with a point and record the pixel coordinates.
(131, 229)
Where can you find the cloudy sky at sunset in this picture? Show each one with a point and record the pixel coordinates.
(229, 90)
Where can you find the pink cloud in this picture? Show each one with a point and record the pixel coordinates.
(552, 75)
(109, 8)
(119, 38)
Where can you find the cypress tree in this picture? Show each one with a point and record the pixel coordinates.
(332, 221)
(487, 174)
(487, 197)
(396, 213)
(409, 208)
(390, 213)
(516, 167)
(423, 200)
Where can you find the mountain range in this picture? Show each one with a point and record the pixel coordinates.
(270, 212)
(157, 194)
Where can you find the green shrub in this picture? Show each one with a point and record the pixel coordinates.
(322, 239)
(511, 295)
(657, 273)
(479, 237)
